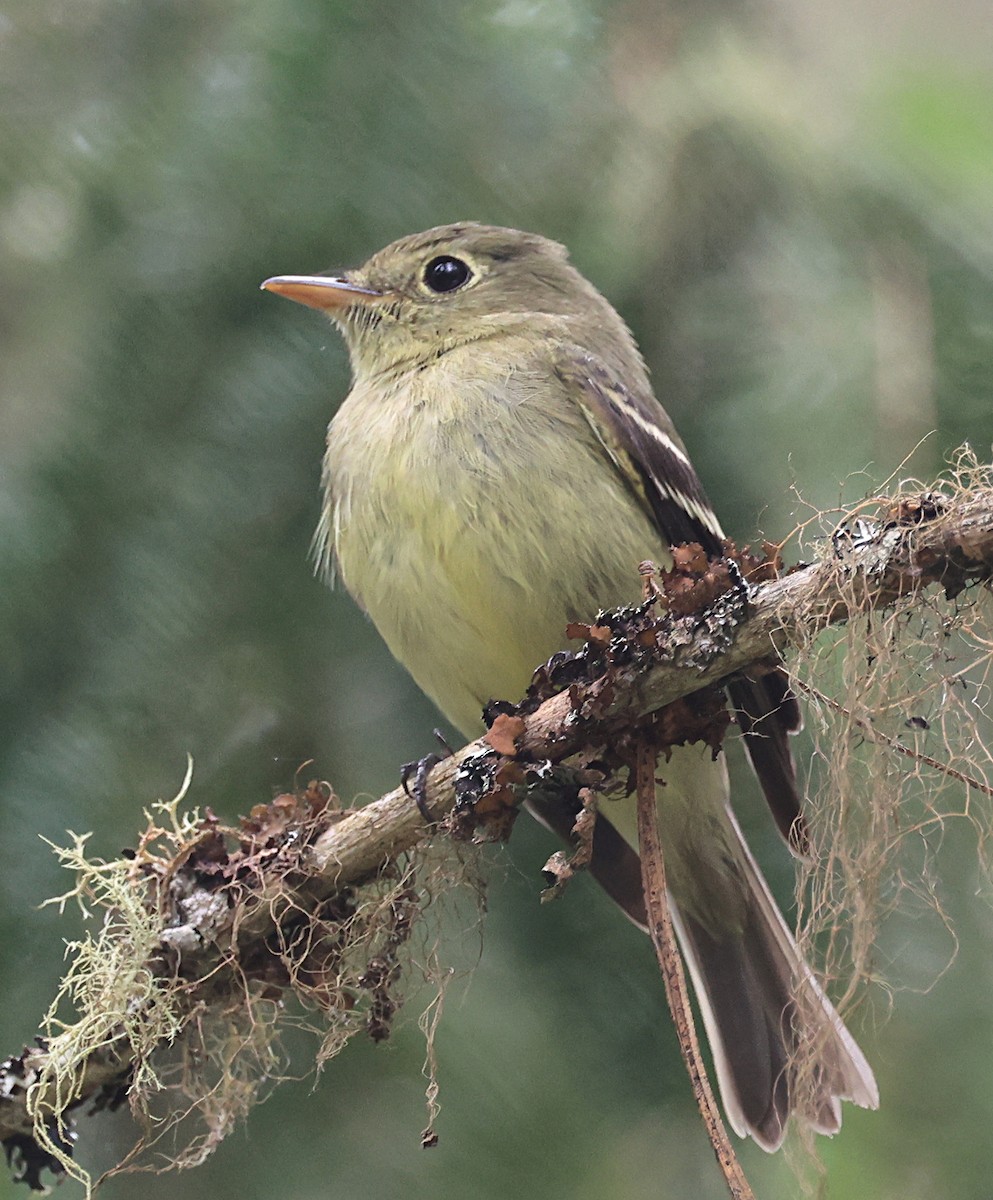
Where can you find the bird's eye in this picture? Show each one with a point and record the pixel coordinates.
(445, 273)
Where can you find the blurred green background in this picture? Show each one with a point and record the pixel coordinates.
(793, 208)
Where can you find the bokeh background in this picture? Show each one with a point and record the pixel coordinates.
(792, 205)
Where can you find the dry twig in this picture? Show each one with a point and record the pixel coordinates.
(671, 965)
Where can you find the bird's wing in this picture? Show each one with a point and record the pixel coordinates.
(641, 441)
(639, 438)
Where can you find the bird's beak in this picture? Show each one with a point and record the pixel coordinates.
(326, 292)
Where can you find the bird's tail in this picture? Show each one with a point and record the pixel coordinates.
(779, 1046)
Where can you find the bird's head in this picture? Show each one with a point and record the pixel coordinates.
(430, 292)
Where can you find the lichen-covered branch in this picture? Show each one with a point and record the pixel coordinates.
(304, 896)
(926, 541)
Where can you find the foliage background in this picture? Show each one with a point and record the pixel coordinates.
(791, 205)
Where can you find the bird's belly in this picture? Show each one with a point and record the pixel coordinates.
(471, 599)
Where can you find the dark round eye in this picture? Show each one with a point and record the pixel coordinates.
(445, 273)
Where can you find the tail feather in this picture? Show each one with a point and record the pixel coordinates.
(778, 1044)
(779, 1047)
(744, 1032)
(767, 713)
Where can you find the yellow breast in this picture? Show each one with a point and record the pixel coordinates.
(474, 515)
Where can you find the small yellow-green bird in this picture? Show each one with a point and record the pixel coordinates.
(498, 470)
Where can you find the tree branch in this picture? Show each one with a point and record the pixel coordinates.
(229, 904)
(948, 544)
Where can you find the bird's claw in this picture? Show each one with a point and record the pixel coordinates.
(418, 772)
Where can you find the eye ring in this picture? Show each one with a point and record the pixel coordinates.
(446, 273)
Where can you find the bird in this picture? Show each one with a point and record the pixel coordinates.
(498, 470)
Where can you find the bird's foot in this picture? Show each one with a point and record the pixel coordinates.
(414, 776)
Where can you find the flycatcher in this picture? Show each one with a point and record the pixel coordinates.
(498, 470)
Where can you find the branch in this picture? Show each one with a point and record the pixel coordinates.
(950, 545)
(674, 977)
(234, 911)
